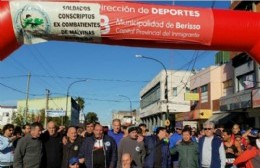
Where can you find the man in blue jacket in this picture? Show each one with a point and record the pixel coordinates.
(174, 139)
(157, 151)
(99, 150)
(116, 132)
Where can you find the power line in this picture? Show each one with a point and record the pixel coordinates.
(77, 78)
(16, 90)
(43, 65)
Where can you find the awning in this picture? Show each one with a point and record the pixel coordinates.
(219, 117)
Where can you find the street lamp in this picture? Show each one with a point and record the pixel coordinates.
(166, 83)
(130, 107)
(128, 100)
(67, 96)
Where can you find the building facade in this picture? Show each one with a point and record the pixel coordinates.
(55, 104)
(244, 101)
(153, 105)
(7, 114)
(127, 117)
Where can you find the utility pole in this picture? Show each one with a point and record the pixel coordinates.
(46, 107)
(27, 97)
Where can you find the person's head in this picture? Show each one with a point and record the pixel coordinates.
(36, 130)
(105, 130)
(8, 130)
(178, 128)
(51, 127)
(218, 133)
(202, 132)
(236, 129)
(226, 134)
(89, 127)
(186, 134)
(80, 130)
(194, 132)
(126, 160)
(161, 132)
(133, 132)
(26, 128)
(143, 127)
(238, 137)
(116, 124)
(208, 127)
(72, 133)
(74, 162)
(98, 131)
(220, 127)
(252, 141)
(18, 131)
(124, 129)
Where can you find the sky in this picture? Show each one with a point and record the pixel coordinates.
(110, 70)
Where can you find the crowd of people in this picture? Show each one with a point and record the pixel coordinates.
(128, 147)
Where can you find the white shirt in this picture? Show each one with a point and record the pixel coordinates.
(207, 151)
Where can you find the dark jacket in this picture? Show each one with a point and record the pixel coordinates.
(188, 154)
(150, 145)
(110, 148)
(70, 150)
(52, 150)
(28, 153)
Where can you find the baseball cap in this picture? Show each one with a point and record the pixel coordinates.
(73, 160)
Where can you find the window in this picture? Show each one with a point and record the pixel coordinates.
(204, 93)
(195, 90)
(228, 84)
(204, 88)
(187, 89)
(174, 91)
(151, 96)
(246, 81)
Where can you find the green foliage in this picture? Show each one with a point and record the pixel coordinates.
(18, 119)
(81, 102)
(91, 117)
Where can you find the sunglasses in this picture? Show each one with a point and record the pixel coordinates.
(207, 129)
(178, 129)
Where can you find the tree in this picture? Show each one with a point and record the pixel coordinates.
(18, 119)
(81, 103)
(91, 117)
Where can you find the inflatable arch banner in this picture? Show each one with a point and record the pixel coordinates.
(129, 24)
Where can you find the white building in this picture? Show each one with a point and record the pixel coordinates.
(6, 115)
(126, 117)
(153, 103)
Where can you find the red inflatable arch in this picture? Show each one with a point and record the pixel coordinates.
(127, 23)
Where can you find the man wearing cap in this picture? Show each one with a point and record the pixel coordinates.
(174, 139)
(130, 145)
(99, 150)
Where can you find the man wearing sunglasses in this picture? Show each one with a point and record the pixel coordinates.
(211, 148)
(174, 139)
